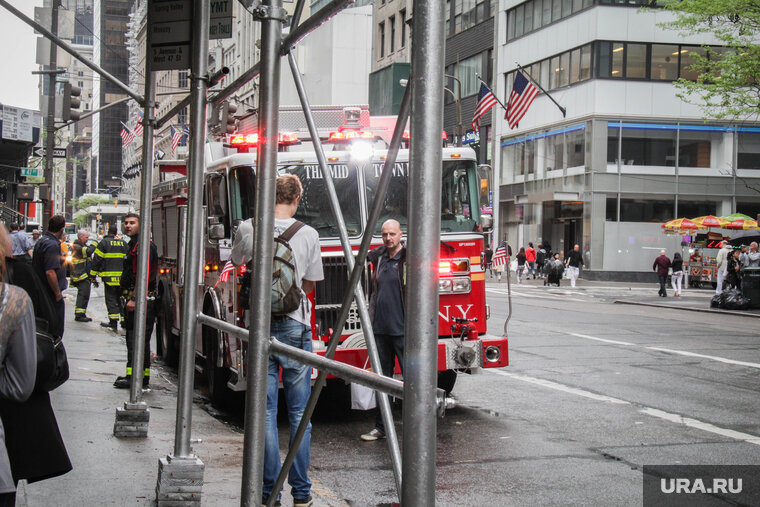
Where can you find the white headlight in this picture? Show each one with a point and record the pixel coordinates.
(461, 284)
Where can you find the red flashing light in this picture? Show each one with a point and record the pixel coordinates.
(251, 140)
(349, 135)
(407, 136)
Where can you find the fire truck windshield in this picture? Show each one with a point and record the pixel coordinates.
(460, 210)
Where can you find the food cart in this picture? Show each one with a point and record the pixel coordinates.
(702, 265)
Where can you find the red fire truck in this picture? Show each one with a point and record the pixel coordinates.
(229, 190)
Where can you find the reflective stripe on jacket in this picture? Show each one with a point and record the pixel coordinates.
(80, 257)
(108, 259)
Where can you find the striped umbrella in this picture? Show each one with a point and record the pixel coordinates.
(710, 221)
(743, 224)
(682, 224)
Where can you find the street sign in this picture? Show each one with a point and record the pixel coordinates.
(57, 152)
(170, 25)
(32, 172)
(220, 26)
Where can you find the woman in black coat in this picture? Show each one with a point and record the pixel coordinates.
(32, 438)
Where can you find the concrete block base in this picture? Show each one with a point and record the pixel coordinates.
(180, 481)
(132, 420)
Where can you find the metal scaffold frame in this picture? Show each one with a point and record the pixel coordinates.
(423, 101)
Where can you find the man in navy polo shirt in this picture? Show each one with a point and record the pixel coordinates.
(386, 306)
(47, 260)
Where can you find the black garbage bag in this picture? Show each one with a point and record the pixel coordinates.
(733, 300)
(716, 301)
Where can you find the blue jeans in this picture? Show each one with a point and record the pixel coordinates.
(388, 348)
(296, 381)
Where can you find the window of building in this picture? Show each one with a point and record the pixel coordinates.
(748, 149)
(556, 10)
(519, 20)
(694, 148)
(534, 14)
(636, 61)
(664, 62)
(696, 208)
(640, 210)
(546, 18)
(182, 116)
(402, 20)
(576, 148)
(537, 14)
(575, 65)
(182, 80)
(466, 74)
(642, 146)
(564, 69)
(554, 152)
(381, 32)
(750, 208)
(690, 56)
(528, 24)
(392, 26)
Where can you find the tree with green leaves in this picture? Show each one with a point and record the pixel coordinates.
(83, 203)
(728, 82)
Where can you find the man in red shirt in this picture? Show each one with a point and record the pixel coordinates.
(530, 257)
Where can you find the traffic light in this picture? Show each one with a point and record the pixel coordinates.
(228, 122)
(71, 102)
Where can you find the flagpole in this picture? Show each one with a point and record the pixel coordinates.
(490, 90)
(522, 69)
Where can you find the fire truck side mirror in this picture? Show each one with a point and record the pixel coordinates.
(486, 222)
(216, 231)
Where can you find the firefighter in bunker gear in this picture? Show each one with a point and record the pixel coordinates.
(128, 284)
(81, 258)
(107, 262)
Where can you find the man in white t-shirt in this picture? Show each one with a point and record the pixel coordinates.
(292, 329)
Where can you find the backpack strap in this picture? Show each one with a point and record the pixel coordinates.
(291, 231)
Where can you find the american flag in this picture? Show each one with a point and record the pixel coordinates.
(138, 124)
(499, 256)
(486, 101)
(185, 131)
(226, 271)
(176, 136)
(127, 136)
(523, 93)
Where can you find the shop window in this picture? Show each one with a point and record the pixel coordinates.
(748, 150)
(749, 208)
(664, 63)
(648, 147)
(646, 210)
(696, 208)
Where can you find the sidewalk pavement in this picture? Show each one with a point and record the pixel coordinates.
(123, 471)
(631, 293)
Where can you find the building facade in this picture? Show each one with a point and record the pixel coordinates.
(630, 154)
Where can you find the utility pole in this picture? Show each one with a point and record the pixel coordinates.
(50, 127)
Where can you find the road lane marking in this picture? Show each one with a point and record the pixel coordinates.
(558, 297)
(669, 351)
(654, 412)
(614, 342)
(560, 387)
(694, 423)
(714, 358)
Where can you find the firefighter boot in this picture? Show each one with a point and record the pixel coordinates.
(111, 324)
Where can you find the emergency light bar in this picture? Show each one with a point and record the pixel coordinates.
(251, 140)
(407, 136)
(349, 135)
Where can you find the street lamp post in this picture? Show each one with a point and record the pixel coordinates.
(458, 99)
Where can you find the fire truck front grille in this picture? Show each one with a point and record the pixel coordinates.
(330, 293)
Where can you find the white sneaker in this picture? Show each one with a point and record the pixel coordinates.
(373, 435)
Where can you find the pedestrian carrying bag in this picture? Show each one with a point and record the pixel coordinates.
(286, 294)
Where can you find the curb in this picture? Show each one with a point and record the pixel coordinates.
(673, 307)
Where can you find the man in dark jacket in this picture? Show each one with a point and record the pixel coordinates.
(108, 262)
(47, 262)
(80, 278)
(661, 265)
(128, 285)
(386, 306)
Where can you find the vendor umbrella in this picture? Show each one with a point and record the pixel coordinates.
(682, 224)
(710, 221)
(733, 217)
(743, 225)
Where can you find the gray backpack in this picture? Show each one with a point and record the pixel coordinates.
(286, 294)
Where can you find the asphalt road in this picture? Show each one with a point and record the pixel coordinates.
(595, 390)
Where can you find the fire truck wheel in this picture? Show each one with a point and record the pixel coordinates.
(446, 380)
(216, 377)
(167, 340)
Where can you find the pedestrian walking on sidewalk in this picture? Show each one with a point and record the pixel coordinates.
(574, 262)
(128, 284)
(47, 260)
(530, 256)
(108, 263)
(661, 265)
(22, 246)
(721, 261)
(677, 276)
(81, 260)
(521, 260)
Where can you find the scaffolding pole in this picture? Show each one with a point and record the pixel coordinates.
(423, 254)
(272, 16)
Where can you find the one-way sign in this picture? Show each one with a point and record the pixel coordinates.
(57, 152)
